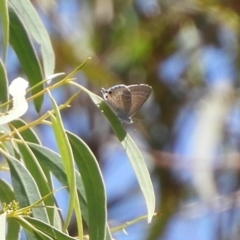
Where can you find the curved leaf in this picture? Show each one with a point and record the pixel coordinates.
(28, 134)
(26, 12)
(42, 180)
(6, 192)
(53, 162)
(94, 186)
(39, 172)
(31, 232)
(5, 26)
(48, 230)
(7, 195)
(132, 151)
(3, 86)
(23, 47)
(14, 230)
(25, 188)
(68, 162)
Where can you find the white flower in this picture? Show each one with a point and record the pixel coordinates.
(17, 90)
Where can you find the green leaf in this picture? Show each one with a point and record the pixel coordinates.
(13, 229)
(5, 26)
(67, 158)
(32, 163)
(94, 186)
(31, 232)
(28, 134)
(6, 192)
(23, 47)
(42, 180)
(7, 195)
(3, 86)
(53, 162)
(5, 129)
(132, 151)
(48, 229)
(26, 12)
(25, 188)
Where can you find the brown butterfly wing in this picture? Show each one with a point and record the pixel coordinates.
(139, 94)
(119, 99)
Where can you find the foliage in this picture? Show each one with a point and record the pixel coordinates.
(29, 203)
(188, 51)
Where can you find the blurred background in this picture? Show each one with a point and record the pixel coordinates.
(188, 130)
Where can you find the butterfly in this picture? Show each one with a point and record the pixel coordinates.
(126, 100)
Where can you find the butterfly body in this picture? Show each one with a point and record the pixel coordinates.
(126, 100)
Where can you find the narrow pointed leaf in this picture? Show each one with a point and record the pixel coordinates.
(6, 192)
(3, 86)
(94, 186)
(48, 229)
(25, 188)
(132, 151)
(67, 158)
(7, 195)
(31, 232)
(53, 162)
(28, 134)
(21, 43)
(5, 26)
(27, 13)
(35, 169)
(41, 172)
